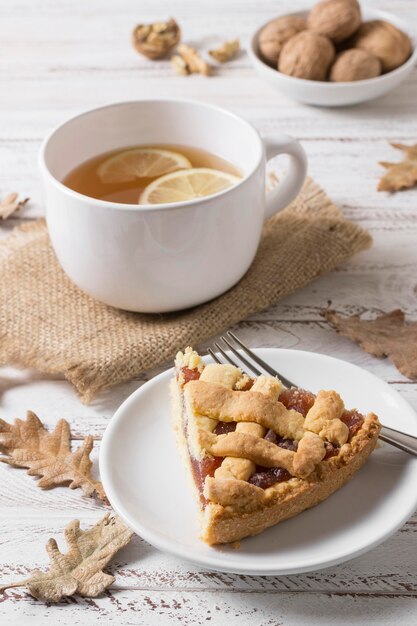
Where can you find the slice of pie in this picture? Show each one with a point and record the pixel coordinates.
(260, 453)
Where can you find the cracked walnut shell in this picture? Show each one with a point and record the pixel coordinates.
(154, 41)
(273, 36)
(354, 64)
(385, 41)
(307, 55)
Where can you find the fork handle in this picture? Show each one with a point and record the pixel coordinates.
(400, 440)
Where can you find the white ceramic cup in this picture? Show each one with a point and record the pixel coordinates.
(166, 257)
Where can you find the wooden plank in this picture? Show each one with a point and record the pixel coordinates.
(388, 569)
(144, 608)
(54, 103)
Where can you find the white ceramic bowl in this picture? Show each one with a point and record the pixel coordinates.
(329, 94)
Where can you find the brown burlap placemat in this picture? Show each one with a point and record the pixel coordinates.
(47, 323)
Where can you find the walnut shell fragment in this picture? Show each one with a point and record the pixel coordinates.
(307, 55)
(179, 65)
(337, 19)
(154, 41)
(273, 36)
(226, 52)
(195, 64)
(389, 44)
(354, 64)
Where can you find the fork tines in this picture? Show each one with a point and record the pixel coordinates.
(247, 364)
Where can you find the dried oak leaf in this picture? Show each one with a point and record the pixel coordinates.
(28, 444)
(11, 204)
(80, 570)
(387, 335)
(402, 175)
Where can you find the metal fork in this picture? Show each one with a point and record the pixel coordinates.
(403, 441)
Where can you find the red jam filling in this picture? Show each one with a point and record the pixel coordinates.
(265, 477)
(331, 450)
(287, 444)
(248, 385)
(222, 428)
(202, 469)
(353, 420)
(190, 374)
(297, 399)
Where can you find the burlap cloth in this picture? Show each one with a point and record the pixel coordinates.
(49, 324)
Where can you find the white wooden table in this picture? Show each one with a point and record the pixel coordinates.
(57, 58)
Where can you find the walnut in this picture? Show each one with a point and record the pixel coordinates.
(385, 41)
(273, 36)
(307, 55)
(354, 64)
(195, 64)
(180, 65)
(227, 51)
(156, 40)
(337, 19)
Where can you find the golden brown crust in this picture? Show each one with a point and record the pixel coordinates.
(245, 445)
(243, 468)
(225, 375)
(255, 411)
(226, 405)
(224, 523)
(248, 446)
(310, 452)
(324, 418)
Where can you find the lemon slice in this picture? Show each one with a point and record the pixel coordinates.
(187, 185)
(140, 163)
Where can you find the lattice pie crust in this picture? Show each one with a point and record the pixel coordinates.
(231, 507)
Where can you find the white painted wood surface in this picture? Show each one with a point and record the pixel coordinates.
(57, 58)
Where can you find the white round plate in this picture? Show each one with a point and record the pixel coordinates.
(149, 488)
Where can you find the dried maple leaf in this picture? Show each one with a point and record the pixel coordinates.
(387, 335)
(402, 175)
(80, 570)
(48, 455)
(10, 204)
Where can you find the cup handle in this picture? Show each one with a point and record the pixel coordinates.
(289, 187)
